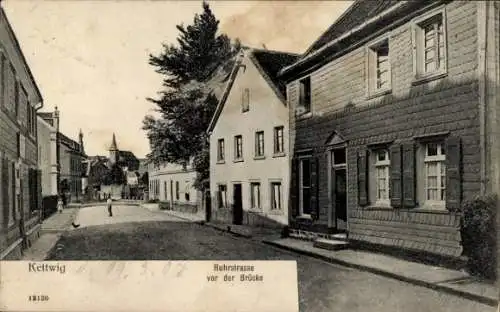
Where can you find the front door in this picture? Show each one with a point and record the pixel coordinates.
(237, 204)
(208, 206)
(340, 191)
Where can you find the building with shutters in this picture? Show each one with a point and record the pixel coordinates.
(71, 158)
(249, 156)
(393, 111)
(20, 194)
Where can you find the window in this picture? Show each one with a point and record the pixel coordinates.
(305, 186)
(222, 196)
(186, 192)
(380, 177)
(304, 96)
(430, 41)
(18, 143)
(17, 97)
(245, 100)
(435, 173)
(259, 143)
(220, 150)
(165, 190)
(379, 67)
(177, 190)
(238, 147)
(255, 195)
(279, 145)
(275, 195)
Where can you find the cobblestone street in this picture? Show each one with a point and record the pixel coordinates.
(322, 286)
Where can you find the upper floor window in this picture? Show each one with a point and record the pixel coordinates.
(279, 146)
(304, 96)
(245, 100)
(379, 67)
(238, 147)
(430, 45)
(259, 143)
(220, 150)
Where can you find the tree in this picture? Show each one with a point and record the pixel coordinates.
(187, 103)
(115, 176)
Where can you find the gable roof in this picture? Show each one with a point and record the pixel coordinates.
(268, 64)
(358, 13)
(347, 29)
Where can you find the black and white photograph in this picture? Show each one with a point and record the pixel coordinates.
(353, 140)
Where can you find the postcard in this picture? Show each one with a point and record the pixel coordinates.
(249, 155)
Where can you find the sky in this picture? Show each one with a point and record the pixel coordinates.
(90, 58)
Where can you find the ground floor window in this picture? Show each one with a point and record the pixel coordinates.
(255, 195)
(186, 192)
(222, 196)
(165, 190)
(434, 173)
(379, 176)
(275, 195)
(177, 191)
(305, 186)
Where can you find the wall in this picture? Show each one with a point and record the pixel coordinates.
(266, 111)
(45, 157)
(449, 104)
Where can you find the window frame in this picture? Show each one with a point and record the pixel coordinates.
(374, 178)
(440, 160)
(252, 196)
(236, 150)
(418, 42)
(221, 204)
(279, 149)
(372, 67)
(258, 136)
(221, 157)
(304, 103)
(272, 206)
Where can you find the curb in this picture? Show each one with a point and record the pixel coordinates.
(220, 229)
(442, 288)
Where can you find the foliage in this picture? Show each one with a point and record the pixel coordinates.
(187, 102)
(144, 179)
(163, 205)
(479, 235)
(115, 176)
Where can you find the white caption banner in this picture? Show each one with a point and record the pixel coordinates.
(149, 286)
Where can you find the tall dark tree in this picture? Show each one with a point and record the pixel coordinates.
(187, 103)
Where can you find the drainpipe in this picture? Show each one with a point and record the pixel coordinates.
(482, 17)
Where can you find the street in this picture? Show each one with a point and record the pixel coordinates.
(134, 233)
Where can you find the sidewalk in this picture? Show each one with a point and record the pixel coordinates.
(50, 232)
(441, 279)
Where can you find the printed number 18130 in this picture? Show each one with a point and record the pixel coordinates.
(36, 298)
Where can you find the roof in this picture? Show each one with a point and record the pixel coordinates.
(358, 13)
(113, 146)
(268, 63)
(72, 144)
(23, 58)
(358, 17)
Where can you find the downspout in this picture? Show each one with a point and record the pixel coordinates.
(482, 17)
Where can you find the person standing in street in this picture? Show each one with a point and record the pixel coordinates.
(60, 205)
(109, 204)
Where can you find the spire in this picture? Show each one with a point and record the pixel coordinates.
(80, 140)
(113, 146)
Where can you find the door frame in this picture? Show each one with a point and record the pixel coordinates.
(332, 217)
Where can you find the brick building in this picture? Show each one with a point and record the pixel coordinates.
(393, 111)
(20, 194)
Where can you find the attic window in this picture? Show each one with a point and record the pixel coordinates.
(245, 100)
(304, 96)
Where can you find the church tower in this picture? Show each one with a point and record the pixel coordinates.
(113, 151)
(80, 141)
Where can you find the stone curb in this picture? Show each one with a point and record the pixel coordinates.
(449, 290)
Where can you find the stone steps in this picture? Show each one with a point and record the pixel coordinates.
(330, 244)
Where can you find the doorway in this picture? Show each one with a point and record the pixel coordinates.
(237, 204)
(208, 206)
(338, 186)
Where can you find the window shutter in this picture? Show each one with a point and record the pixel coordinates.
(409, 179)
(38, 183)
(453, 173)
(314, 188)
(5, 192)
(396, 173)
(362, 178)
(294, 188)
